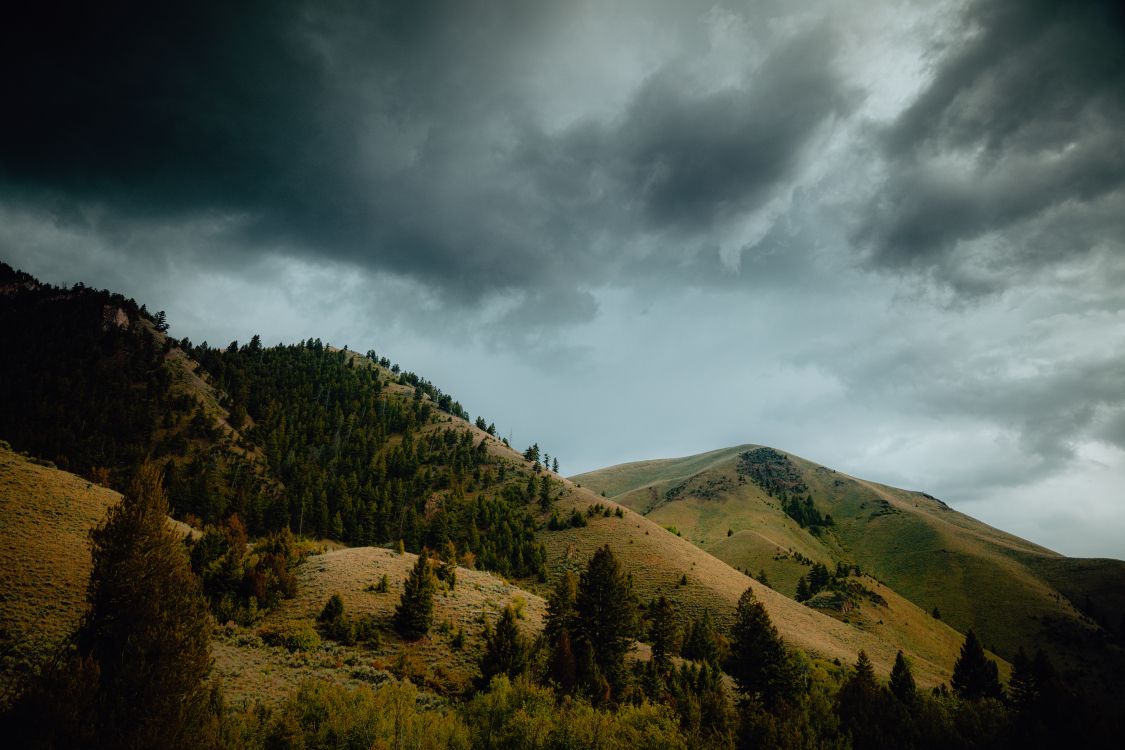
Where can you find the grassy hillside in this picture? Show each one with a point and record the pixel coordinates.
(1011, 591)
(251, 668)
(45, 515)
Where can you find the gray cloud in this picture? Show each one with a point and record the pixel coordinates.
(393, 138)
(1018, 130)
(889, 241)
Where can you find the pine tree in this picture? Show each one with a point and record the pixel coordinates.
(505, 649)
(557, 630)
(902, 681)
(864, 672)
(605, 621)
(803, 593)
(759, 661)
(545, 492)
(1021, 686)
(975, 675)
(141, 655)
(415, 613)
(703, 642)
(818, 578)
(861, 706)
(663, 632)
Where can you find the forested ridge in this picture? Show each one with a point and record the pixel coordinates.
(88, 384)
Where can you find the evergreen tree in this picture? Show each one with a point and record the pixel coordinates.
(139, 658)
(663, 632)
(818, 578)
(545, 492)
(703, 642)
(1021, 686)
(605, 621)
(902, 681)
(562, 667)
(415, 613)
(862, 707)
(803, 593)
(759, 661)
(975, 675)
(506, 650)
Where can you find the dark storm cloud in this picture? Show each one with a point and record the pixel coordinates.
(396, 137)
(1020, 127)
(698, 159)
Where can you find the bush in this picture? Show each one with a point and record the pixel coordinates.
(295, 636)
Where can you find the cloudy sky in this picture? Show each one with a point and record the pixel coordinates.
(887, 236)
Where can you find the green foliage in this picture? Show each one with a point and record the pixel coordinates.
(294, 636)
(134, 674)
(759, 662)
(975, 676)
(333, 609)
(803, 592)
(506, 650)
(703, 642)
(662, 631)
(902, 684)
(327, 716)
(237, 582)
(414, 615)
(335, 624)
(78, 388)
(605, 622)
(805, 514)
(562, 667)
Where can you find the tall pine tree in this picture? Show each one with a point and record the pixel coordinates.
(415, 613)
(902, 681)
(605, 620)
(140, 657)
(759, 661)
(505, 650)
(975, 676)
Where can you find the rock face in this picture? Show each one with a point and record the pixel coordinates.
(114, 316)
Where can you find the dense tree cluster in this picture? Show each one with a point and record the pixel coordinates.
(804, 513)
(82, 379)
(369, 467)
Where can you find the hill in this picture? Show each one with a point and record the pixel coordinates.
(46, 515)
(349, 447)
(747, 506)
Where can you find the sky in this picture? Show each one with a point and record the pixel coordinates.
(886, 236)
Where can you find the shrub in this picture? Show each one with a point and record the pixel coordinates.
(295, 636)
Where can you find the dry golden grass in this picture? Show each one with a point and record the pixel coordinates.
(1005, 587)
(45, 515)
(251, 670)
(657, 559)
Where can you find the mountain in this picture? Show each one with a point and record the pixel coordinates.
(349, 447)
(308, 474)
(761, 509)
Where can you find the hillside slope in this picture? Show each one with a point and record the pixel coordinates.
(732, 502)
(46, 516)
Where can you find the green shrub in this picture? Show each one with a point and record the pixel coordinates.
(295, 636)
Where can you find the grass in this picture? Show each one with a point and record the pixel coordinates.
(45, 515)
(1011, 591)
(252, 670)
